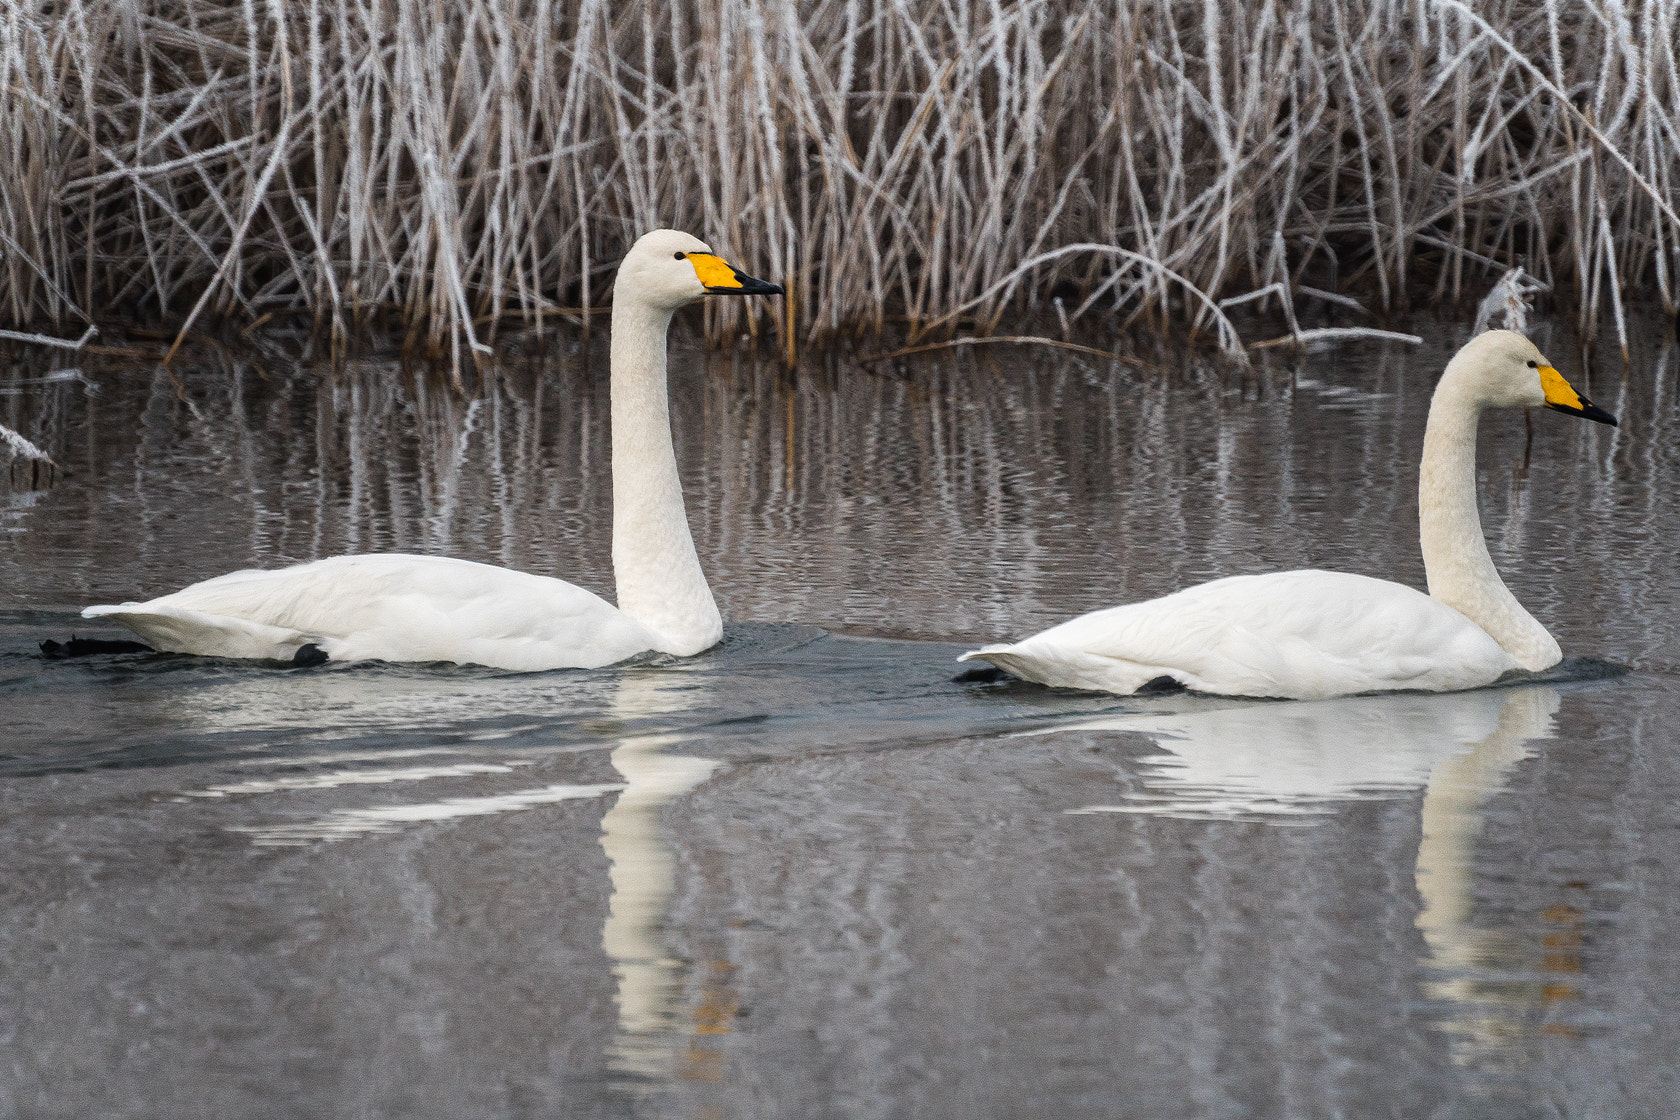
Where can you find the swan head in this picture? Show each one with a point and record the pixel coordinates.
(1503, 369)
(668, 268)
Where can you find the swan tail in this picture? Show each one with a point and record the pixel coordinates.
(1060, 667)
(177, 630)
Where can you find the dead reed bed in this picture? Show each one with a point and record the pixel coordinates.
(448, 168)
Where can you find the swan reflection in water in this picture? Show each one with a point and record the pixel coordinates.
(1291, 763)
(649, 980)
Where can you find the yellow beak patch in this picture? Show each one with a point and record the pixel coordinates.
(1560, 393)
(713, 270)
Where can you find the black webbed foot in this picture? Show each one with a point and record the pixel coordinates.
(987, 674)
(308, 654)
(1155, 686)
(83, 647)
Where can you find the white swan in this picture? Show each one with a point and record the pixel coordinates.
(1313, 634)
(431, 608)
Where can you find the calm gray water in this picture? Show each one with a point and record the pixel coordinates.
(805, 874)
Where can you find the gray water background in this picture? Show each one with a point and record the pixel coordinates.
(805, 874)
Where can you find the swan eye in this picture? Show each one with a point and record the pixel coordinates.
(684, 257)
(1533, 364)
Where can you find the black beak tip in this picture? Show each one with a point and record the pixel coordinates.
(1587, 411)
(750, 287)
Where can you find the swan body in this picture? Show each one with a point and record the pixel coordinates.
(391, 607)
(395, 607)
(1306, 635)
(1316, 634)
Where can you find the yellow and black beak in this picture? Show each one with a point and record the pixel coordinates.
(1561, 395)
(724, 279)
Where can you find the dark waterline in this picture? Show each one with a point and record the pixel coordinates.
(806, 874)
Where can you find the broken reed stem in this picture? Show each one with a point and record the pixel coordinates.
(194, 161)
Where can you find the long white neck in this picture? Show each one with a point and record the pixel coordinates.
(1455, 555)
(660, 583)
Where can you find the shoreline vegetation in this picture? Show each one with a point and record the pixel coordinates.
(446, 173)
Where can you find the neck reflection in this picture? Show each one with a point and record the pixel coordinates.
(648, 978)
(1487, 1014)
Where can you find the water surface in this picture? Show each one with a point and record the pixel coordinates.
(806, 874)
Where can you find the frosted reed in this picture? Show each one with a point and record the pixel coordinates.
(445, 170)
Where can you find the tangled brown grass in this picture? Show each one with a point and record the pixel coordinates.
(445, 169)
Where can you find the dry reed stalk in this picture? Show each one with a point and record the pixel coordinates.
(452, 167)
